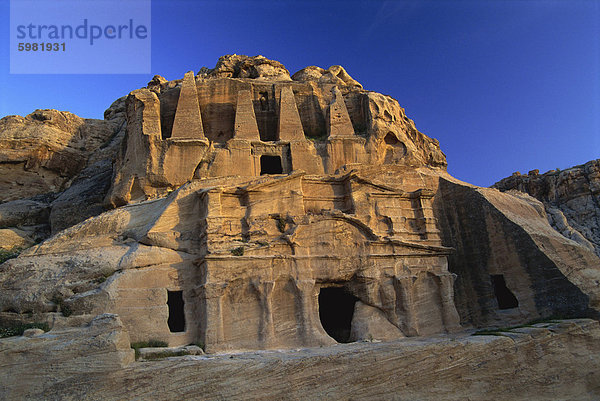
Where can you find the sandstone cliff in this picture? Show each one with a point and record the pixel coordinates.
(163, 152)
(506, 236)
(55, 170)
(571, 198)
(240, 208)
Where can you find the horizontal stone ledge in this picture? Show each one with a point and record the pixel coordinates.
(347, 138)
(269, 143)
(325, 198)
(152, 353)
(188, 141)
(308, 257)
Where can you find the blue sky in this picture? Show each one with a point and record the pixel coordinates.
(503, 85)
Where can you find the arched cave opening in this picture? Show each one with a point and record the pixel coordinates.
(395, 150)
(176, 319)
(506, 299)
(270, 165)
(336, 308)
(390, 139)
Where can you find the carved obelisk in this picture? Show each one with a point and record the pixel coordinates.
(339, 123)
(245, 118)
(188, 120)
(290, 126)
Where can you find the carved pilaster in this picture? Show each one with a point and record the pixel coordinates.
(213, 314)
(306, 295)
(449, 312)
(387, 294)
(264, 290)
(405, 292)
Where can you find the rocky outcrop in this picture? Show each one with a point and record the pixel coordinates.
(84, 198)
(24, 222)
(240, 209)
(30, 364)
(55, 170)
(571, 198)
(43, 151)
(239, 66)
(26, 212)
(511, 265)
(336, 75)
(542, 362)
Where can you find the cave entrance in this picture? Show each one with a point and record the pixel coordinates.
(270, 165)
(395, 150)
(336, 308)
(391, 139)
(506, 299)
(176, 319)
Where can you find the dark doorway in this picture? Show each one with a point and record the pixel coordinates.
(506, 299)
(176, 319)
(336, 307)
(270, 165)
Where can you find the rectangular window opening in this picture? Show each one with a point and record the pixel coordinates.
(176, 319)
(270, 165)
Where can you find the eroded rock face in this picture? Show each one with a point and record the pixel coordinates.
(84, 197)
(511, 264)
(335, 74)
(25, 222)
(31, 363)
(253, 211)
(55, 170)
(239, 66)
(43, 151)
(235, 118)
(571, 198)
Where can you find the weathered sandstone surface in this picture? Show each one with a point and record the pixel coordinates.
(43, 151)
(242, 209)
(55, 171)
(571, 198)
(96, 349)
(506, 236)
(553, 361)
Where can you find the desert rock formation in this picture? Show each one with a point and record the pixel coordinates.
(510, 263)
(571, 198)
(55, 170)
(43, 151)
(542, 362)
(240, 208)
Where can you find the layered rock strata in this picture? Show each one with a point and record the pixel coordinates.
(571, 198)
(55, 170)
(251, 210)
(511, 264)
(542, 362)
